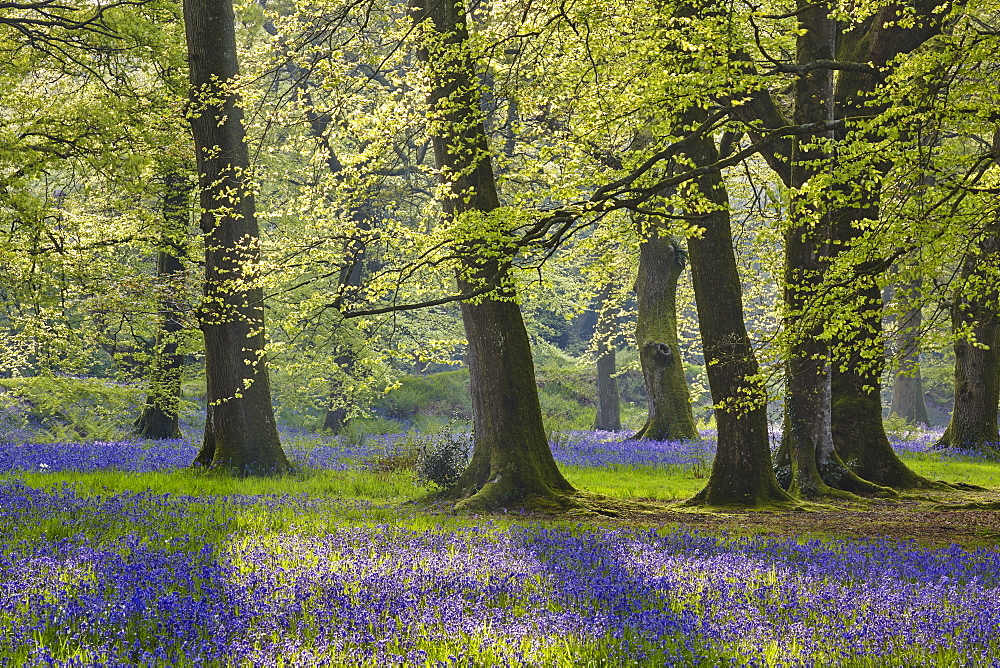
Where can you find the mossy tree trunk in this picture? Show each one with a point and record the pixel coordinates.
(661, 261)
(742, 473)
(241, 435)
(512, 464)
(858, 431)
(609, 417)
(859, 350)
(807, 462)
(159, 418)
(973, 423)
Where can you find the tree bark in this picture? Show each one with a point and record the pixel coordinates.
(859, 353)
(973, 423)
(807, 461)
(858, 431)
(512, 464)
(661, 261)
(609, 416)
(742, 473)
(241, 435)
(159, 417)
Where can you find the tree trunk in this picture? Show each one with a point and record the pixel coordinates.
(907, 385)
(742, 473)
(159, 417)
(335, 417)
(512, 464)
(240, 431)
(661, 261)
(807, 461)
(609, 416)
(858, 431)
(859, 353)
(973, 423)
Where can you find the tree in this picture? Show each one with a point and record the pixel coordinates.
(907, 385)
(241, 435)
(865, 57)
(975, 317)
(511, 462)
(808, 462)
(742, 472)
(661, 260)
(859, 350)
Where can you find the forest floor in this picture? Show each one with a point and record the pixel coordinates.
(967, 518)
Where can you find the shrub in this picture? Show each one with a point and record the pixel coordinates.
(443, 458)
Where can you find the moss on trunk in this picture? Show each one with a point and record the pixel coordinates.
(512, 464)
(608, 416)
(661, 261)
(741, 473)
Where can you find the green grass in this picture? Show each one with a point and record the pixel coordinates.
(636, 482)
(380, 487)
(936, 467)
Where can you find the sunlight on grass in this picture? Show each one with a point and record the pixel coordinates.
(941, 467)
(635, 482)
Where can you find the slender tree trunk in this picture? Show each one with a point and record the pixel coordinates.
(609, 416)
(661, 262)
(973, 423)
(907, 385)
(346, 357)
(240, 431)
(159, 418)
(742, 473)
(511, 462)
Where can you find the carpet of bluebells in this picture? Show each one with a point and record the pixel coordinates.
(142, 578)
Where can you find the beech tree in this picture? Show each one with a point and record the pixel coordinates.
(608, 416)
(976, 314)
(241, 435)
(661, 260)
(511, 463)
(160, 416)
(908, 400)
(742, 472)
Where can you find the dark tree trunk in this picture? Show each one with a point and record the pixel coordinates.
(742, 473)
(159, 417)
(609, 417)
(512, 464)
(880, 39)
(808, 462)
(858, 432)
(859, 353)
(907, 385)
(661, 261)
(240, 431)
(973, 423)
